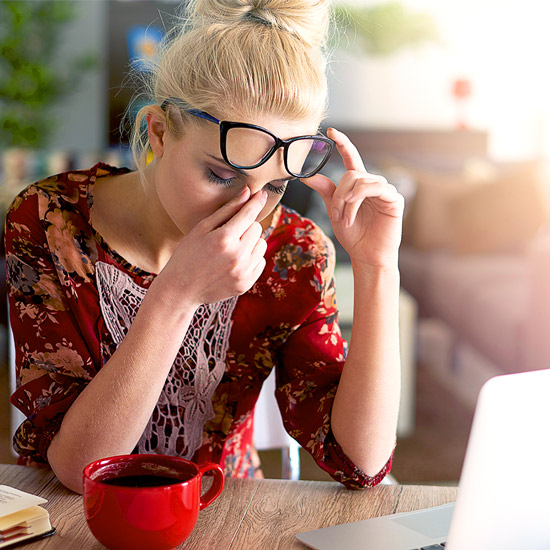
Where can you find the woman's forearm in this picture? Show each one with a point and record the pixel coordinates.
(366, 406)
(111, 413)
(222, 256)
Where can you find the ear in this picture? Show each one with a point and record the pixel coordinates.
(156, 131)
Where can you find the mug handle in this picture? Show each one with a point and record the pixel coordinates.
(217, 485)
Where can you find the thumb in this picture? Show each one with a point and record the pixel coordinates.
(323, 185)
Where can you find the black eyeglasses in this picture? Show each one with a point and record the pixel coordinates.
(246, 146)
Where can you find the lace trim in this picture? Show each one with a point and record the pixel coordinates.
(185, 404)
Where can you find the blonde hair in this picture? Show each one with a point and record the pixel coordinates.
(239, 57)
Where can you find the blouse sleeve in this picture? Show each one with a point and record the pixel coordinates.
(53, 364)
(310, 364)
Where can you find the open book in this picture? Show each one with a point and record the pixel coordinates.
(21, 517)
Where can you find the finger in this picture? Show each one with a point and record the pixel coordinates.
(227, 211)
(257, 271)
(349, 153)
(247, 214)
(252, 266)
(255, 265)
(346, 185)
(258, 253)
(323, 185)
(366, 180)
(369, 190)
(251, 237)
(257, 258)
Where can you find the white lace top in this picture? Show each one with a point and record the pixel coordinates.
(185, 403)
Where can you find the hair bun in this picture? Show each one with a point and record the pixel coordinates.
(307, 19)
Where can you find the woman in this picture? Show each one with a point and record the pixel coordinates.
(149, 306)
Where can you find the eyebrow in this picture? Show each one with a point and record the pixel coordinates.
(222, 161)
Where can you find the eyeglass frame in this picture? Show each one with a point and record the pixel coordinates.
(226, 125)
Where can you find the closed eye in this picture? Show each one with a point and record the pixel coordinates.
(214, 178)
(277, 189)
(227, 182)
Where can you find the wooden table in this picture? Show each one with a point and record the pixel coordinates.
(249, 514)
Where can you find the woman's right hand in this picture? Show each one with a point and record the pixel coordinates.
(222, 256)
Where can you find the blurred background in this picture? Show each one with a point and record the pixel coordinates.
(448, 99)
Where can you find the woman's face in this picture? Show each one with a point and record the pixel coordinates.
(192, 180)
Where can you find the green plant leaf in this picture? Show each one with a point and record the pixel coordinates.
(383, 29)
(30, 83)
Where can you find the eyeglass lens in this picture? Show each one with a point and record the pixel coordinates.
(246, 147)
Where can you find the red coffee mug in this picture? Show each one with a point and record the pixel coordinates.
(125, 512)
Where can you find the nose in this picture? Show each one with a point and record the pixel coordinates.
(273, 170)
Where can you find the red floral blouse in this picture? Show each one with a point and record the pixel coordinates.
(287, 321)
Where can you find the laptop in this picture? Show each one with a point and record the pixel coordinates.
(504, 491)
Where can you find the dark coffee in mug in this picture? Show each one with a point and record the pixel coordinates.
(144, 480)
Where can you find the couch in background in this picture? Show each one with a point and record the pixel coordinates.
(476, 257)
(475, 254)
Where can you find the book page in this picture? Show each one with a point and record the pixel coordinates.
(31, 518)
(12, 500)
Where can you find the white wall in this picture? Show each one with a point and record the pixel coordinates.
(500, 45)
(410, 89)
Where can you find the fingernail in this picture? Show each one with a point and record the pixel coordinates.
(335, 214)
(347, 221)
(240, 195)
(263, 195)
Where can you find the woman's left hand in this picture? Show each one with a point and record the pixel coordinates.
(366, 211)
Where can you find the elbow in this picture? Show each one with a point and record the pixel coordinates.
(70, 480)
(67, 469)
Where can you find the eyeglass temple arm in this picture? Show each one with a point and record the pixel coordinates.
(195, 112)
(202, 114)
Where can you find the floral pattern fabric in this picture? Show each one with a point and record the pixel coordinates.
(287, 321)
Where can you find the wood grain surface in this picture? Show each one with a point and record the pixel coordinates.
(249, 514)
